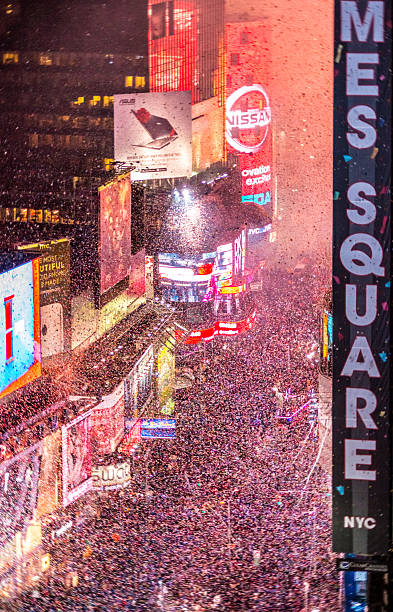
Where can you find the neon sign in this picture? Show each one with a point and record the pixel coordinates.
(222, 328)
(241, 122)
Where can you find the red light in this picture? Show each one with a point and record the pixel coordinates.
(206, 268)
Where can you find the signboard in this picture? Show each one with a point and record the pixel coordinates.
(158, 428)
(361, 277)
(248, 109)
(138, 385)
(55, 304)
(76, 451)
(132, 439)
(49, 482)
(20, 340)
(149, 276)
(166, 379)
(111, 477)
(153, 133)
(107, 422)
(115, 232)
(19, 478)
(185, 278)
(357, 565)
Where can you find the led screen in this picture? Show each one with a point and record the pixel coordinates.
(166, 379)
(248, 108)
(20, 347)
(185, 279)
(115, 232)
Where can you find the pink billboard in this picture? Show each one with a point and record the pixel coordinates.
(107, 422)
(115, 232)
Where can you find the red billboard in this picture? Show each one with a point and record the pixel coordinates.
(248, 111)
(222, 328)
(172, 45)
(115, 232)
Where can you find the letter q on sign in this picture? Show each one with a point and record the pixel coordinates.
(358, 262)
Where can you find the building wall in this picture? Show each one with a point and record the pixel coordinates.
(302, 102)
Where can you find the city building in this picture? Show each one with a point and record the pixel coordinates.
(60, 66)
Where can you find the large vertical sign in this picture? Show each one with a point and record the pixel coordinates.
(361, 277)
(115, 232)
(248, 111)
(55, 302)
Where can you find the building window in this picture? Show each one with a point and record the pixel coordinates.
(45, 60)
(228, 81)
(9, 333)
(140, 82)
(10, 58)
(243, 37)
(95, 100)
(129, 81)
(234, 59)
(108, 100)
(158, 21)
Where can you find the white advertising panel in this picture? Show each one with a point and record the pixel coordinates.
(77, 458)
(153, 132)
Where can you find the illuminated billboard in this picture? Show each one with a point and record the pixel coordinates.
(19, 479)
(172, 43)
(222, 328)
(166, 379)
(77, 458)
(361, 380)
(20, 347)
(55, 303)
(138, 385)
(107, 422)
(153, 133)
(248, 109)
(115, 232)
(326, 342)
(185, 278)
(49, 482)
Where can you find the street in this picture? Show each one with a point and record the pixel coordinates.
(234, 513)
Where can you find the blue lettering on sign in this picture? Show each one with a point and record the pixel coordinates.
(258, 198)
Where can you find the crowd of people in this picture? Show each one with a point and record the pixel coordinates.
(232, 515)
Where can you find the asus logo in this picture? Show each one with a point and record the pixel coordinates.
(127, 101)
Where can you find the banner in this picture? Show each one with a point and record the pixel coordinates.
(153, 133)
(361, 277)
(76, 451)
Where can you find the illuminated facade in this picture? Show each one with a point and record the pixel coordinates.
(186, 49)
(248, 111)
